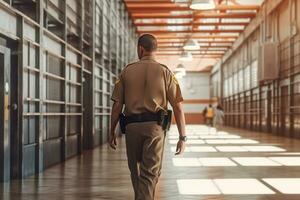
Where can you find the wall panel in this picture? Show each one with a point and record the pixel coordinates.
(70, 54)
(271, 105)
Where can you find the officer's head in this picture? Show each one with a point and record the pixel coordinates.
(147, 44)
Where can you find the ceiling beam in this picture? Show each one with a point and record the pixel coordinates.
(163, 9)
(202, 47)
(190, 16)
(190, 31)
(151, 5)
(181, 44)
(190, 24)
(194, 51)
(146, 1)
(178, 55)
(177, 36)
(194, 54)
(200, 42)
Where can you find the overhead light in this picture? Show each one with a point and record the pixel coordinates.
(203, 4)
(186, 56)
(191, 44)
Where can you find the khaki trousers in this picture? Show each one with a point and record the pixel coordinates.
(145, 146)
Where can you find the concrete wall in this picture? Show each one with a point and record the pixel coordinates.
(196, 94)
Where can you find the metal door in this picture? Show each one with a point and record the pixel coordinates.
(269, 111)
(4, 114)
(285, 122)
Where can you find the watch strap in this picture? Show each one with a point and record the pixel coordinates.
(183, 138)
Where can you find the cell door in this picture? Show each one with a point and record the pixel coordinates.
(4, 114)
(269, 111)
(284, 118)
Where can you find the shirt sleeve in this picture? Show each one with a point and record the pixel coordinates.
(174, 95)
(118, 92)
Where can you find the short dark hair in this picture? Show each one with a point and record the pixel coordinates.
(148, 42)
(219, 107)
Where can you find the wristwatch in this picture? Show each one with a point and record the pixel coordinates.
(183, 138)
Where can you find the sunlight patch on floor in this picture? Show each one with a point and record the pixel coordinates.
(220, 137)
(196, 141)
(196, 149)
(197, 187)
(255, 161)
(285, 185)
(222, 186)
(287, 161)
(205, 162)
(215, 162)
(263, 148)
(231, 141)
(231, 149)
(249, 149)
(242, 186)
(186, 162)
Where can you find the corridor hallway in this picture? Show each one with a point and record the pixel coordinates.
(231, 164)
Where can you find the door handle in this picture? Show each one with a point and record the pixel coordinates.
(14, 106)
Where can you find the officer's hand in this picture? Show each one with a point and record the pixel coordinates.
(180, 147)
(113, 141)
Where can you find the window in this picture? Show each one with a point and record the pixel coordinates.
(235, 83)
(241, 80)
(247, 75)
(254, 70)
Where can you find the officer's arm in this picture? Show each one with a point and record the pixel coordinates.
(179, 117)
(115, 112)
(117, 98)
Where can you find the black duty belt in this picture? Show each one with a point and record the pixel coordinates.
(143, 117)
(159, 117)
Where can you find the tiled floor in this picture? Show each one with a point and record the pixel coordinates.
(232, 164)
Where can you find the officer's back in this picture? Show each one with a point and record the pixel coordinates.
(145, 84)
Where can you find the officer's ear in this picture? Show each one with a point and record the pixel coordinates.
(140, 51)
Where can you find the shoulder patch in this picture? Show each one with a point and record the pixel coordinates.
(117, 81)
(175, 79)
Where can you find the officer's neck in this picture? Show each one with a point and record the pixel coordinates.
(148, 54)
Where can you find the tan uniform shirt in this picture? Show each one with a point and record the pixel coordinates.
(146, 86)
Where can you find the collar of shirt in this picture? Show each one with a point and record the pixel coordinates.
(148, 58)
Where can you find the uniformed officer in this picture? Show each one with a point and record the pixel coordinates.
(145, 88)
